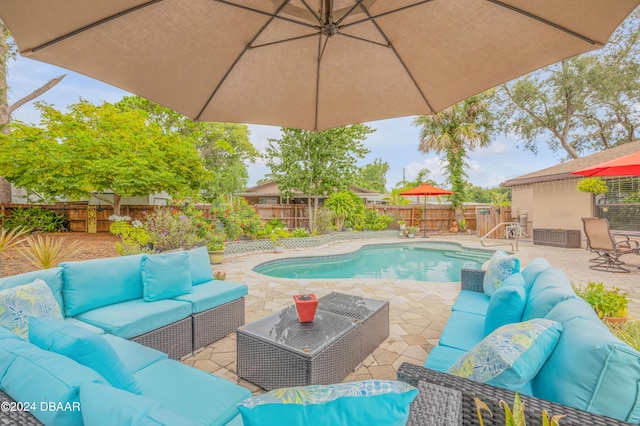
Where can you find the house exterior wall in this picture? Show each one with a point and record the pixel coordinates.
(553, 204)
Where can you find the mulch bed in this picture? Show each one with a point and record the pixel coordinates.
(92, 246)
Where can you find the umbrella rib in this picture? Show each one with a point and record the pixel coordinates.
(281, 41)
(320, 53)
(271, 15)
(313, 12)
(544, 21)
(371, 18)
(90, 26)
(224, 78)
(364, 39)
(395, 52)
(349, 12)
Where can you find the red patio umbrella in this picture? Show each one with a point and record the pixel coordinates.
(629, 165)
(426, 189)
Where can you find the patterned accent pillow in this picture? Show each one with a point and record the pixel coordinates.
(510, 356)
(19, 303)
(500, 267)
(367, 402)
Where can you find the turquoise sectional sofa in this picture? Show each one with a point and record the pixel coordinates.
(589, 368)
(106, 298)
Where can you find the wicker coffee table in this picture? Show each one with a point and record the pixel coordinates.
(279, 351)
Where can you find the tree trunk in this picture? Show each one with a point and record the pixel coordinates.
(116, 204)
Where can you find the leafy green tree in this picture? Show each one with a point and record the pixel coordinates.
(343, 205)
(94, 149)
(478, 194)
(224, 147)
(583, 104)
(316, 163)
(7, 53)
(454, 132)
(373, 176)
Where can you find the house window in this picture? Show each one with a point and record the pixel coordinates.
(262, 200)
(621, 204)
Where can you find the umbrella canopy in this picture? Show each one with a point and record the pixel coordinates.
(629, 165)
(311, 64)
(426, 189)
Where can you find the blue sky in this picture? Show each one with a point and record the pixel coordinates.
(395, 141)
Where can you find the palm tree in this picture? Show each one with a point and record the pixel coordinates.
(454, 132)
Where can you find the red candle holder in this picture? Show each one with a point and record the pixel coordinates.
(306, 305)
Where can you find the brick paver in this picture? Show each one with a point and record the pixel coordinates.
(418, 310)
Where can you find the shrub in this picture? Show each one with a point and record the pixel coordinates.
(607, 303)
(36, 219)
(220, 275)
(134, 238)
(324, 221)
(595, 185)
(300, 233)
(234, 220)
(45, 253)
(342, 205)
(170, 230)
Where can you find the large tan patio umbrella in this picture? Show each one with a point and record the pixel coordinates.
(426, 190)
(312, 64)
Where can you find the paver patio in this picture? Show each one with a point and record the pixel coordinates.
(418, 310)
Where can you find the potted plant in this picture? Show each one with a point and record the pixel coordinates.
(402, 225)
(412, 231)
(462, 225)
(611, 305)
(276, 243)
(215, 245)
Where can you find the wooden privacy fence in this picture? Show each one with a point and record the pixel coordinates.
(439, 218)
(489, 217)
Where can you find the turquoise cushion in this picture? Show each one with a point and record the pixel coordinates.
(194, 394)
(512, 355)
(506, 304)
(6, 334)
(441, 358)
(134, 355)
(500, 267)
(19, 303)
(136, 317)
(79, 323)
(84, 347)
(550, 288)
(96, 283)
(591, 370)
(52, 276)
(165, 275)
(463, 331)
(568, 309)
(199, 265)
(212, 294)
(30, 374)
(370, 402)
(532, 270)
(104, 405)
(473, 302)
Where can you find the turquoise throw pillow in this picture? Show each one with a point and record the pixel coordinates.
(501, 266)
(510, 356)
(507, 304)
(201, 271)
(166, 275)
(83, 346)
(19, 303)
(369, 402)
(104, 405)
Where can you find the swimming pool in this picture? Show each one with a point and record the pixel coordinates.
(421, 261)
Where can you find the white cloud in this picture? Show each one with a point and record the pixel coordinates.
(496, 147)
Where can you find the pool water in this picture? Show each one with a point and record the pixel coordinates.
(430, 261)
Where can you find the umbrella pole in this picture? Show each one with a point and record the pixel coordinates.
(424, 214)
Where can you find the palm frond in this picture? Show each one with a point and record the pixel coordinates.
(45, 253)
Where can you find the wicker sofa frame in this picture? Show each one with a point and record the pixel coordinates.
(491, 395)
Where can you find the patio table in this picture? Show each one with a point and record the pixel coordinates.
(279, 351)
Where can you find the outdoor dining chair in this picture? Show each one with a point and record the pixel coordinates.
(606, 247)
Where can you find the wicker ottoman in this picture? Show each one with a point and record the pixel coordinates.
(372, 316)
(279, 351)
